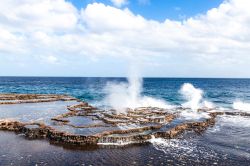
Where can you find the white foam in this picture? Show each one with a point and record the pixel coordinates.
(241, 106)
(182, 147)
(238, 121)
(193, 115)
(119, 143)
(167, 145)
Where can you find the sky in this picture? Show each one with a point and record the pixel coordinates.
(103, 38)
(159, 10)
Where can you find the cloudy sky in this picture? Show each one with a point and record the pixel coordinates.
(167, 38)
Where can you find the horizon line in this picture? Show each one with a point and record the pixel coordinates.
(126, 77)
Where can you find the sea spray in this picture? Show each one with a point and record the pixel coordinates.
(124, 95)
(195, 101)
(194, 97)
(239, 105)
(129, 95)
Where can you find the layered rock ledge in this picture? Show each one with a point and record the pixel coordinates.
(32, 98)
(96, 126)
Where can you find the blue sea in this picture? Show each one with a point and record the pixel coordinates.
(225, 143)
(221, 91)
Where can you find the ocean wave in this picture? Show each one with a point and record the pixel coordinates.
(239, 105)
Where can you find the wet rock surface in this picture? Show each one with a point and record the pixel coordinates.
(32, 98)
(99, 127)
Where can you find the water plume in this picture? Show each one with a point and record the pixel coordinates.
(194, 97)
(121, 96)
(195, 101)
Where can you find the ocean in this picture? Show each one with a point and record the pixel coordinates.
(220, 91)
(228, 142)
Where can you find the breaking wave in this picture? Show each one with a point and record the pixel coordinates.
(241, 106)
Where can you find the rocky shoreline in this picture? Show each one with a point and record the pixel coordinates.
(134, 126)
(32, 98)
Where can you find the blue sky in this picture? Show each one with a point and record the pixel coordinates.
(162, 38)
(161, 9)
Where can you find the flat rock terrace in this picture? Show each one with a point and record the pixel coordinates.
(64, 119)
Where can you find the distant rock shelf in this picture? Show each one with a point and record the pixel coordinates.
(67, 120)
(32, 98)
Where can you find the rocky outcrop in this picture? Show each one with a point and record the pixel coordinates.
(133, 126)
(32, 98)
(238, 113)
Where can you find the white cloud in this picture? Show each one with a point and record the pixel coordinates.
(45, 15)
(52, 59)
(217, 42)
(119, 3)
(99, 17)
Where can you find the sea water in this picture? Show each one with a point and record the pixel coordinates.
(228, 142)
